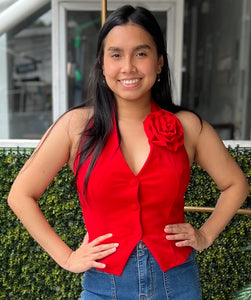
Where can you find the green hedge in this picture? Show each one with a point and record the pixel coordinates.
(27, 272)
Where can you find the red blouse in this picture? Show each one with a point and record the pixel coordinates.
(137, 207)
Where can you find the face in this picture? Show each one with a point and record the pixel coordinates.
(131, 62)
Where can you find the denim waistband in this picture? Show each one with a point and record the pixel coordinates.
(142, 278)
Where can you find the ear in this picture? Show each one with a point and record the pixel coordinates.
(160, 64)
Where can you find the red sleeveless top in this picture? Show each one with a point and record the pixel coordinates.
(137, 207)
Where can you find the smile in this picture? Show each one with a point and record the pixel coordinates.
(130, 81)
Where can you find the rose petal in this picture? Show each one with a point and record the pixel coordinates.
(164, 129)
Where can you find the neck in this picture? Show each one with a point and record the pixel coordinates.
(133, 110)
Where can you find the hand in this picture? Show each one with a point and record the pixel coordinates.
(186, 235)
(86, 256)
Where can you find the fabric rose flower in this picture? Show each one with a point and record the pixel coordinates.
(164, 129)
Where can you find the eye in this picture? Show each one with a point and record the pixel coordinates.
(115, 55)
(141, 54)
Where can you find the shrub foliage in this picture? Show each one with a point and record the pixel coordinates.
(27, 272)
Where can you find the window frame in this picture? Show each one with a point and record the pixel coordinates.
(174, 10)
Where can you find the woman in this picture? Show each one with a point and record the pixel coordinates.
(132, 166)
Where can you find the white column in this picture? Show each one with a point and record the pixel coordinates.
(4, 116)
(59, 59)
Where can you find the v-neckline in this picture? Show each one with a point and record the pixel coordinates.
(142, 167)
(153, 109)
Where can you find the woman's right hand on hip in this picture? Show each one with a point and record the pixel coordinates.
(88, 254)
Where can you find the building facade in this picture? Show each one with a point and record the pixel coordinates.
(48, 47)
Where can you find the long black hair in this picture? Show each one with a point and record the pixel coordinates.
(102, 99)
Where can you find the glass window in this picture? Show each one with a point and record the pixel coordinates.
(216, 64)
(82, 33)
(27, 90)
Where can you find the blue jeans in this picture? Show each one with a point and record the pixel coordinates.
(143, 279)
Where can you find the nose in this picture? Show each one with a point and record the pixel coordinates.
(128, 65)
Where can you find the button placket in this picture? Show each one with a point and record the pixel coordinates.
(133, 182)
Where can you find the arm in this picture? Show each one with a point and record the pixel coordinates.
(211, 154)
(53, 152)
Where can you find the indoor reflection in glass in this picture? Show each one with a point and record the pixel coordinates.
(29, 85)
(82, 31)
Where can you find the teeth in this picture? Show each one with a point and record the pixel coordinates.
(131, 81)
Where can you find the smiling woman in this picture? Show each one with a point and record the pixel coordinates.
(131, 62)
(137, 147)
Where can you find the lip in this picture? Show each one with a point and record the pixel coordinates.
(130, 82)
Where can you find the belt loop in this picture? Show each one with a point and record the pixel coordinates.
(141, 245)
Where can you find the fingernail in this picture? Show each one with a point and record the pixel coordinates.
(103, 266)
(166, 229)
(116, 245)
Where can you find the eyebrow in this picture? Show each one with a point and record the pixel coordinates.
(139, 47)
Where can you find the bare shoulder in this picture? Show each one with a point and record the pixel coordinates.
(204, 146)
(195, 128)
(75, 120)
(74, 123)
(190, 122)
(199, 135)
(57, 147)
(192, 127)
(66, 132)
